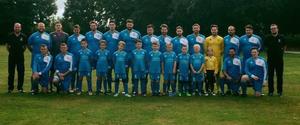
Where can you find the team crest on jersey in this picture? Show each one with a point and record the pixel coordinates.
(184, 41)
(80, 37)
(153, 39)
(234, 41)
(21, 39)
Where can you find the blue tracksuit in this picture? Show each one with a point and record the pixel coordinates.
(64, 63)
(74, 45)
(84, 61)
(231, 42)
(197, 60)
(163, 41)
(233, 67)
(155, 58)
(256, 67)
(169, 59)
(93, 40)
(147, 42)
(183, 69)
(178, 42)
(103, 58)
(139, 69)
(120, 60)
(193, 40)
(246, 43)
(41, 64)
(35, 41)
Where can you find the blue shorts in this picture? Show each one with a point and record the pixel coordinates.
(197, 77)
(139, 75)
(101, 74)
(155, 76)
(183, 77)
(84, 73)
(120, 76)
(169, 76)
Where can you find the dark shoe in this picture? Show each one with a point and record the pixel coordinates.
(270, 94)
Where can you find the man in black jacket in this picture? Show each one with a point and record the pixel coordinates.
(16, 47)
(275, 45)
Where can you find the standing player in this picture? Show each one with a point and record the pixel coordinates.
(149, 38)
(73, 47)
(103, 58)
(197, 66)
(256, 72)
(196, 38)
(112, 39)
(183, 63)
(155, 62)
(63, 67)
(120, 60)
(164, 38)
(40, 70)
(211, 70)
(216, 42)
(139, 68)
(93, 37)
(231, 41)
(84, 61)
(36, 40)
(247, 42)
(179, 40)
(169, 70)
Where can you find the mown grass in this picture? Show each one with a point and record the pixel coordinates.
(71, 109)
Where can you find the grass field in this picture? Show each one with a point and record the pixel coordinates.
(71, 109)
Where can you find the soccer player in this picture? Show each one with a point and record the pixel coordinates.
(183, 63)
(139, 69)
(40, 70)
(256, 72)
(211, 71)
(216, 42)
(73, 47)
(36, 40)
(57, 37)
(84, 62)
(120, 60)
(16, 46)
(93, 37)
(63, 67)
(169, 70)
(112, 39)
(149, 38)
(247, 42)
(179, 40)
(103, 58)
(231, 41)
(197, 67)
(164, 38)
(232, 69)
(155, 58)
(196, 38)
(275, 45)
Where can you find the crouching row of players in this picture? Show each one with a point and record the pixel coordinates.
(191, 70)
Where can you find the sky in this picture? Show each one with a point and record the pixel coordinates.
(60, 7)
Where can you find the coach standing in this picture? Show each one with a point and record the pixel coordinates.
(275, 45)
(16, 47)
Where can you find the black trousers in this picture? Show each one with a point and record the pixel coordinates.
(14, 62)
(275, 66)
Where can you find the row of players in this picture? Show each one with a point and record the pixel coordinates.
(189, 70)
